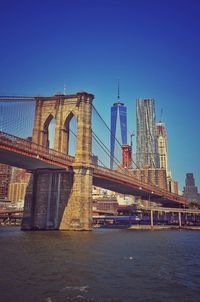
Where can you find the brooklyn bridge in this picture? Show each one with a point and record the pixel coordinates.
(59, 193)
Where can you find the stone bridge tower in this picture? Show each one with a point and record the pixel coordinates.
(62, 199)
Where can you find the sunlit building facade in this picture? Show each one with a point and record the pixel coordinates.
(162, 145)
(18, 184)
(161, 134)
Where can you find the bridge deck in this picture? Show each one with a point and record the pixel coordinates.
(27, 155)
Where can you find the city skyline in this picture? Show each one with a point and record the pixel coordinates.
(152, 46)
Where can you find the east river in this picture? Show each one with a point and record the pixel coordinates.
(103, 266)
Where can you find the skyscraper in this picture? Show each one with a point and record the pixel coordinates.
(190, 191)
(118, 130)
(147, 147)
(162, 145)
(161, 134)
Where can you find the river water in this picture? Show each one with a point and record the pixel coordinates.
(102, 266)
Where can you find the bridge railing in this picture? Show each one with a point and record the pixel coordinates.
(25, 145)
(143, 186)
(12, 142)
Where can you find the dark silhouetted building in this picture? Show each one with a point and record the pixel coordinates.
(190, 191)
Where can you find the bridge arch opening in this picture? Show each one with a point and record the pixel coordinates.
(49, 132)
(70, 127)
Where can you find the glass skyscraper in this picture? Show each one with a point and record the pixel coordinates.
(118, 131)
(147, 146)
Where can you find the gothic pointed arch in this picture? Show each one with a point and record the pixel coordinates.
(47, 121)
(70, 133)
(68, 119)
(46, 130)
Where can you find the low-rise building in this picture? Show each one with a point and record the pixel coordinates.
(105, 205)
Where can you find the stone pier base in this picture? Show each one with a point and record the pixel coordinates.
(58, 200)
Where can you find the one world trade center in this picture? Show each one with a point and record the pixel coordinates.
(118, 131)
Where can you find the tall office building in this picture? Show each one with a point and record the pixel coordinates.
(118, 131)
(162, 145)
(190, 191)
(161, 134)
(147, 146)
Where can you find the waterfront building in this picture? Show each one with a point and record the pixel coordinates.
(103, 194)
(107, 205)
(5, 176)
(17, 192)
(118, 127)
(146, 140)
(190, 191)
(172, 185)
(98, 192)
(18, 184)
(19, 175)
(125, 199)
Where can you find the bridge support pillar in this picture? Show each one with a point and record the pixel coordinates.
(59, 200)
(151, 218)
(62, 200)
(46, 198)
(78, 212)
(179, 218)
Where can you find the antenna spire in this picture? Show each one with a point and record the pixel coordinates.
(65, 88)
(161, 114)
(118, 92)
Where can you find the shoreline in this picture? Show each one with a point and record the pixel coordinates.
(132, 227)
(162, 227)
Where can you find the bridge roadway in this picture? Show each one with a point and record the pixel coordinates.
(27, 155)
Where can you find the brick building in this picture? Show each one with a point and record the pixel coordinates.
(18, 184)
(156, 177)
(5, 176)
(109, 205)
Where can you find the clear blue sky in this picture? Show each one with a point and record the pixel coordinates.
(153, 46)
